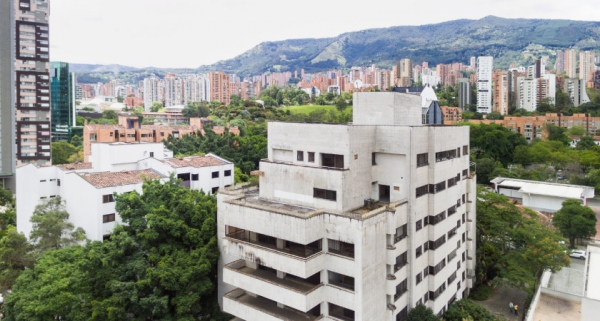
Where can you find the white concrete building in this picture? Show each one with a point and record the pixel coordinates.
(485, 69)
(88, 188)
(359, 221)
(527, 93)
(542, 196)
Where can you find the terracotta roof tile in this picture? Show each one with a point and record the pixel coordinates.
(108, 179)
(194, 161)
(75, 166)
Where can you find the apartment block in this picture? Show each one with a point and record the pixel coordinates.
(586, 64)
(571, 63)
(360, 221)
(594, 79)
(452, 115)
(404, 68)
(485, 65)
(151, 91)
(527, 93)
(220, 87)
(7, 94)
(32, 79)
(501, 91)
(88, 188)
(464, 93)
(130, 130)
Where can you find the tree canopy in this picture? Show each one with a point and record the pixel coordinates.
(467, 310)
(51, 230)
(421, 313)
(575, 221)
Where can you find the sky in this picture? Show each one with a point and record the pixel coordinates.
(191, 33)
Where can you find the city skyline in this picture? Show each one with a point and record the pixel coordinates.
(243, 26)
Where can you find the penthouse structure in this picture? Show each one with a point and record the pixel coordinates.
(360, 221)
(88, 188)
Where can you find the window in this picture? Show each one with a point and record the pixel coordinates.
(425, 247)
(108, 218)
(214, 190)
(465, 173)
(437, 187)
(58, 182)
(195, 177)
(426, 272)
(340, 313)
(437, 218)
(451, 182)
(422, 159)
(401, 261)
(108, 198)
(463, 198)
(42, 181)
(162, 133)
(419, 225)
(311, 157)
(332, 160)
(466, 150)
(151, 154)
(426, 297)
(227, 173)
(463, 218)
(418, 252)
(341, 248)
(300, 156)
(422, 190)
(373, 159)
(433, 245)
(463, 258)
(401, 289)
(111, 134)
(93, 137)
(401, 233)
(419, 277)
(458, 152)
(433, 270)
(215, 174)
(452, 210)
(463, 237)
(341, 280)
(324, 194)
(445, 155)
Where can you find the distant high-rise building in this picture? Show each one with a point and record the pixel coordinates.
(571, 63)
(151, 91)
(586, 64)
(404, 68)
(464, 93)
(575, 88)
(527, 93)
(485, 65)
(219, 87)
(472, 64)
(7, 89)
(173, 90)
(62, 101)
(501, 91)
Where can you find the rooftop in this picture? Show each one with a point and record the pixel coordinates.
(194, 161)
(186, 127)
(74, 166)
(593, 278)
(547, 188)
(108, 179)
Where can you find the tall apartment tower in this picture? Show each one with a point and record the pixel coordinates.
(501, 91)
(571, 63)
(464, 93)
(559, 66)
(485, 65)
(586, 65)
(350, 222)
(151, 91)
(62, 101)
(25, 22)
(219, 87)
(472, 64)
(7, 102)
(404, 69)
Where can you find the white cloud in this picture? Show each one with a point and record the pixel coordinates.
(189, 33)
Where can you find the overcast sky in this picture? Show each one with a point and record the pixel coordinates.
(190, 33)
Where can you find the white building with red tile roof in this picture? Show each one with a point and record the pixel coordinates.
(88, 188)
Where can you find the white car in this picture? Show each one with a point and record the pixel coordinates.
(577, 254)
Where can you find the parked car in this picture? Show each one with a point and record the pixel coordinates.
(577, 254)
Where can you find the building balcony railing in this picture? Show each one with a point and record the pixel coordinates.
(238, 302)
(299, 250)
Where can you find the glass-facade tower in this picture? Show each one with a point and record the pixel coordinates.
(62, 101)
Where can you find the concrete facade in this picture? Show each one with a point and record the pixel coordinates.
(88, 188)
(485, 68)
(352, 222)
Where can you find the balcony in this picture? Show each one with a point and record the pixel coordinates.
(283, 259)
(300, 294)
(239, 303)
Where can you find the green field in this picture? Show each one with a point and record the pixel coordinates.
(306, 109)
(592, 93)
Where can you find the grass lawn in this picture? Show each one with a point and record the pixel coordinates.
(306, 109)
(592, 93)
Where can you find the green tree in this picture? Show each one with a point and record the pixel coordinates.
(576, 131)
(196, 109)
(76, 141)
(466, 309)
(51, 229)
(421, 313)
(341, 104)
(120, 99)
(156, 106)
(79, 121)
(557, 133)
(61, 151)
(15, 257)
(575, 221)
(6, 197)
(587, 143)
(110, 114)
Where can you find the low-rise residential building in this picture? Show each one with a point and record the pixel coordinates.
(88, 188)
(452, 115)
(360, 221)
(542, 196)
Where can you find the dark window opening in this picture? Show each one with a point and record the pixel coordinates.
(401, 261)
(384, 193)
(433, 245)
(341, 280)
(341, 248)
(215, 174)
(401, 289)
(195, 177)
(422, 190)
(227, 173)
(401, 233)
(332, 160)
(108, 218)
(214, 190)
(300, 156)
(422, 159)
(324, 194)
(373, 159)
(341, 313)
(108, 198)
(311, 157)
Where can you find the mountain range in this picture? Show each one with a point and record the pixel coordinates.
(509, 41)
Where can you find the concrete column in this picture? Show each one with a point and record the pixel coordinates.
(280, 274)
(280, 243)
(253, 237)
